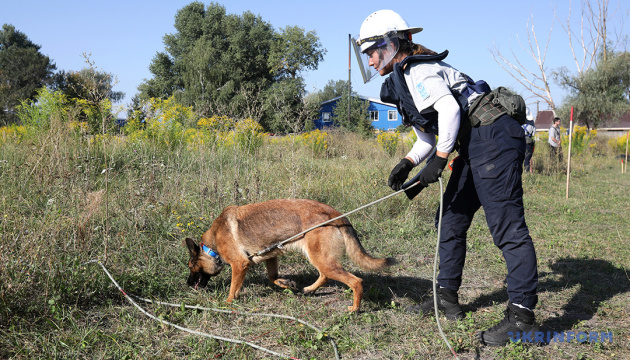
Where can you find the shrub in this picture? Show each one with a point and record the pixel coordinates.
(618, 144)
(37, 114)
(248, 135)
(12, 133)
(316, 141)
(216, 123)
(389, 142)
(580, 141)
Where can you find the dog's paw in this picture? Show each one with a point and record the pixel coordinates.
(287, 284)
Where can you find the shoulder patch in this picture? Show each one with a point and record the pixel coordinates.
(422, 90)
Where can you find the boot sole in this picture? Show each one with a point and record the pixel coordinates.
(416, 310)
(494, 343)
(490, 343)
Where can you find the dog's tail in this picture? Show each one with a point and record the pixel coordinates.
(357, 253)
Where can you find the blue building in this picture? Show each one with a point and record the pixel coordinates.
(384, 116)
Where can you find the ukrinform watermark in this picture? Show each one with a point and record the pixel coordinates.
(563, 336)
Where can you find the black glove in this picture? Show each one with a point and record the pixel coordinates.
(399, 174)
(432, 171)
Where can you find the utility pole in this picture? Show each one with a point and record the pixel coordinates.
(349, 73)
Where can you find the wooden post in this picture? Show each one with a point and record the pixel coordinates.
(569, 157)
(626, 162)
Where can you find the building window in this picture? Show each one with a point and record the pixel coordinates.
(326, 117)
(392, 115)
(374, 115)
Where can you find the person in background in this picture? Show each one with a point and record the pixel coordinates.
(530, 130)
(487, 172)
(555, 147)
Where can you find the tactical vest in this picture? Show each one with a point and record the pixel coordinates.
(395, 90)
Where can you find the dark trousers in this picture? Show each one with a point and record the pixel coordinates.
(529, 151)
(488, 173)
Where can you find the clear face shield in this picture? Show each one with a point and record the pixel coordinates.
(374, 53)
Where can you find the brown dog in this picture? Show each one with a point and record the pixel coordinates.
(242, 231)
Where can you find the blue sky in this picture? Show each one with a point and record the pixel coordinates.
(124, 36)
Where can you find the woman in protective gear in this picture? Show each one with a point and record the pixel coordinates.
(434, 99)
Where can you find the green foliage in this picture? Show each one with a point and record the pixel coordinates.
(62, 199)
(232, 65)
(285, 109)
(389, 142)
(333, 89)
(23, 71)
(47, 105)
(164, 123)
(91, 93)
(87, 84)
(597, 95)
(316, 141)
(169, 124)
(293, 51)
(359, 120)
(619, 144)
(248, 135)
(12, 132)
(581, 140)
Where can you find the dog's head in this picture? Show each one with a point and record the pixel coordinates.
(204, 263)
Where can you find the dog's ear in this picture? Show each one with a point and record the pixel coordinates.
(192, 247)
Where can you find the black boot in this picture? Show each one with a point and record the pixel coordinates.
(518, 323)
(448, 304)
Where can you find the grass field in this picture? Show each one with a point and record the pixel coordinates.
(65, 200)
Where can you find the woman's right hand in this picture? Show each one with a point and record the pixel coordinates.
(399, 174)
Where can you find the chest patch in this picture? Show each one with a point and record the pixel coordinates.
(424, 94)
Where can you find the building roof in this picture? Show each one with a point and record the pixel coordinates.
(544, 120)
(622, 123)
(366, 98)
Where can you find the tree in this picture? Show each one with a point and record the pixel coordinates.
(23, 70)
(293, 51)
(586, 42)
(598, 94)
(87, 84)
(91, 92)
(287, 108)
(224, 64)
(332, 90)
(532, 77)
(359, 120)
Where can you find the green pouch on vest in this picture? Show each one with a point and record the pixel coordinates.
(488, 108)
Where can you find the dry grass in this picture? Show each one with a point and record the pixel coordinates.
(56, 214)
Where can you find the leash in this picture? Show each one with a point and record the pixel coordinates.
(407, 186)
(281, 244)
(199, 333)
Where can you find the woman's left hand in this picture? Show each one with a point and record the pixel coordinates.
(432, 171)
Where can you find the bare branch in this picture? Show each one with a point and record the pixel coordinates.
(535, 81)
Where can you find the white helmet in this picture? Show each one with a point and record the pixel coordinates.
(528, 115)
(380, 31)
(383, 23)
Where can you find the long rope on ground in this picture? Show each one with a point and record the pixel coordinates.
(332, 342)
(413, 183)
(199, 333)
(435, 266)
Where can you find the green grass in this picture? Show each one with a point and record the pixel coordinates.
(65, 201)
